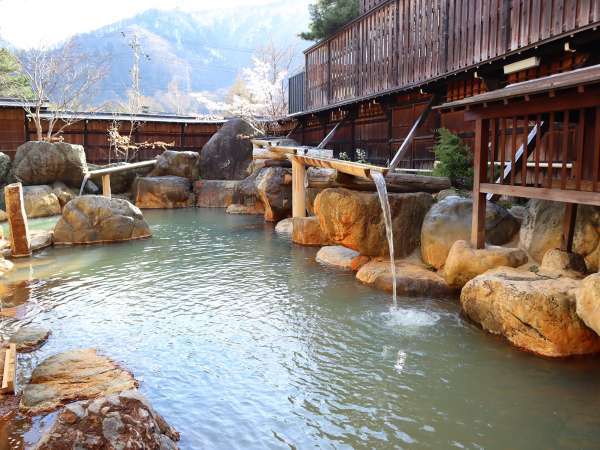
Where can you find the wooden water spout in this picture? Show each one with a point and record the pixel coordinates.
(20, 242)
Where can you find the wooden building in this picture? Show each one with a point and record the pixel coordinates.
(91, 131)
(379, 71)
(537, 139)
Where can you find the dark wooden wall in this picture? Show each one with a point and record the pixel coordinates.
(400, 44)
(93, 135)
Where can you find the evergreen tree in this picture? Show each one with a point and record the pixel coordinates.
(327, 16)
(12, 83)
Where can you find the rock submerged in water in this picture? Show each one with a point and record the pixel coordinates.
(29, 338)
(355, 220)
(449, 221)
(120, 421)
(178, 164)
(285, 226)
(465, 263)
(71, 376)
(341, 258)
(38, 163)
(228, 153)
(413, 279)
(166, 192)
(534, 311)
(97, 219)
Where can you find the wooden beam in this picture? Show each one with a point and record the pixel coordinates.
(20, 242)
(556, 195)
(298, 189)
(569, 227)
(106, 185)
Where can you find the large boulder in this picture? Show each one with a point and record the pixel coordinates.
(412, 279)
(163, 192)
(534, 311)
(449, 221)
(355, 220)
(542, 231)
(341, 258)
(274, 188)
(246, 199)
(97, 219)
(40, 201)
(71, 376)
(228, 153)
(465, 263)
(5, 165)
(39, 162)
(214, 193)
(588, 302)
(119, 421)
(307, 231)
(178, 164)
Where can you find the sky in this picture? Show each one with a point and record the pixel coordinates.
(42, 23)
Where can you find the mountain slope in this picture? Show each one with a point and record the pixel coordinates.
(197, 51)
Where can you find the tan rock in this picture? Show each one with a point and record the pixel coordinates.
(465, 263)
(29, 338)
(163, 192)
(307, 231)
(449, 221)
(273, 185)
(256, 209)
(535, 312)
(214, 193)
(97, 219)
(355, 220)
(588, 302)
(64, 193)
(542, 231)
(40, 201)
(71, 376)
(567, 264)
(413, 279)
(341, 258)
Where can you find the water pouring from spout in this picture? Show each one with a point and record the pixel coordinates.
(379, 181)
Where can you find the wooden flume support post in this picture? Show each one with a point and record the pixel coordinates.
(9, 369)
(106, 185)
(298, 189)
(569, 227)
(20, 242)
(479, 198)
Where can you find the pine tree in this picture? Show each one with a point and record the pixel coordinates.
(327, 16)
(12, 83)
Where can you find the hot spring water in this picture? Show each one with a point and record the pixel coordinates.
(379, 181)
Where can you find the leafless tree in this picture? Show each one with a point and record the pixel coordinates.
(62, 80)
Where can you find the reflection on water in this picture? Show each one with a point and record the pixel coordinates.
(242, 341)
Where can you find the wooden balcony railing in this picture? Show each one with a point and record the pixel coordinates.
(403, 43)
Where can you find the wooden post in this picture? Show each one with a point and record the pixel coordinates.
(479, 199)
(9, 371)
(106, 185)
(298, 189)
(17, 220)
(569, 227)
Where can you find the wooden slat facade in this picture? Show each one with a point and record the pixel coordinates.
(398, 44)
(93, 135)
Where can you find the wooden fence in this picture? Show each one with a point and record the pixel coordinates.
(403, 43)
(93, 134)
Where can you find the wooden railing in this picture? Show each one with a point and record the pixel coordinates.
(403, 43)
